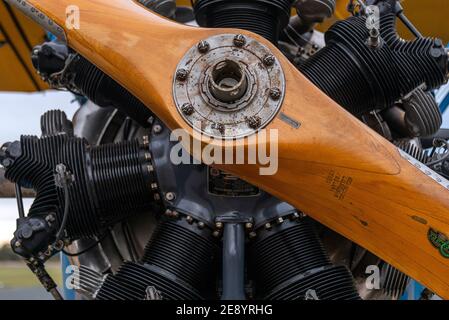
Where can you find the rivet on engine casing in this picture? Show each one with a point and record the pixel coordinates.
(203, 46)
(146, 141)
(182, 74)
(239, 40)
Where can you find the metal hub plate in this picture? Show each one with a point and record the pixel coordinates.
(241, 118)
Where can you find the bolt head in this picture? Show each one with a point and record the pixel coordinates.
(269, 60)
(146, 141)
(216, 234)
(157, 129)
(201, 225)
(203, 46)
(252, 235)
(254, 122)
(239, 40)
(219, 225)
(182, 74)
(249, 225)
(275, 93)
(268, 226)
(170, 196)
(18, 244)
(187, 109)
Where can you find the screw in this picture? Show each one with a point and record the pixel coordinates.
(203, 46)
(201, 225)
(50, 218)
(146, 141)
(182, 74)
(374, 40)
(216, 234)
(150, 168)
(220, 127)
(170, 196)
(252, 235)
(169, 213)
(275, 93)
(219, 225)
(269, 60)
(157, 129)
(189, 220)
(187, 109)
(239, 40)
(268, 226)
(18, 244)
(147, 156)
(254, 122)
(280, 220)
(249, 225)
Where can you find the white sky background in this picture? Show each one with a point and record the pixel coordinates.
(20, 114)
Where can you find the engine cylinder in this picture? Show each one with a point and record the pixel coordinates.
(288, 261)
(264, 17)
(362, 78)
(110, 182)
(185, 252)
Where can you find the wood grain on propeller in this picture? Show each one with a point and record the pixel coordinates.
(333, 167)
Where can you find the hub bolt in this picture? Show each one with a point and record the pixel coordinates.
(187, 109)
(239, 40)
(269, 60)
(182, 74)
(275, 93)
(203, 46)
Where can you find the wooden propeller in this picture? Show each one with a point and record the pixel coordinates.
(332, 167)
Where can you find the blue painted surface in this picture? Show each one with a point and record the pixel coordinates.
(69, 294)
(442, 96)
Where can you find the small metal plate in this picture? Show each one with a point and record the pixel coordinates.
(209, 115)
(425, 169)
(39, 17)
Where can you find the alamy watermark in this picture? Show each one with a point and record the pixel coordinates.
(258, 149)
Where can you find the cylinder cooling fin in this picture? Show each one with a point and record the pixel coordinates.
(108, 183)
(264, 17)
(179, 263)
(361, 77)
(288, 262)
